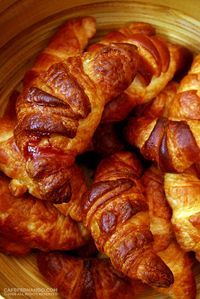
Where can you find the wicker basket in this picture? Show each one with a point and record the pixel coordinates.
(26, 26)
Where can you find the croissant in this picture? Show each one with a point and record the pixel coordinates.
(182, 192)
(160, 60)
(14, 248)
(116, 213)
(93, 278)
(62, 101)
(173, 141)
(28, 223)
(160, 105)
(69, 40)
(108, 139)
(13, 164)
(179, 261)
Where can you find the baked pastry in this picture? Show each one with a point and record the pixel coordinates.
(180, 263)
(159, 210)
(117, 216)
(55, 188)
(182, 192)
(27, 223)
(178, 260)
(74, 207)
(93, 278)
(173, 141)
(70, 40)
(160, 105)
(63, 98)
(160, 60)
(13, 248)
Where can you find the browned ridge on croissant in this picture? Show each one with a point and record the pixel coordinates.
(173, 141)
(117, 216)
(169, 140)
(92, 278)
(64, 95)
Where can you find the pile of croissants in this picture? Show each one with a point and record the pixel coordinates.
(100, 164)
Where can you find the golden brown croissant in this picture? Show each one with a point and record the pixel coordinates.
(13, 164)
(107, 140)
(61, 103)
(117, 216)
(159, 61)
(92, 278)
(33, 223)
(70, 40)
(14, 248)
(182, 192)
(160, 105)
(172, 142)
(179, 261)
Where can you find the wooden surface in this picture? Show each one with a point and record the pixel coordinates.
(26, 26)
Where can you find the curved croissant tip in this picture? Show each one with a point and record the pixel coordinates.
(89, 24)
(154, 272)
